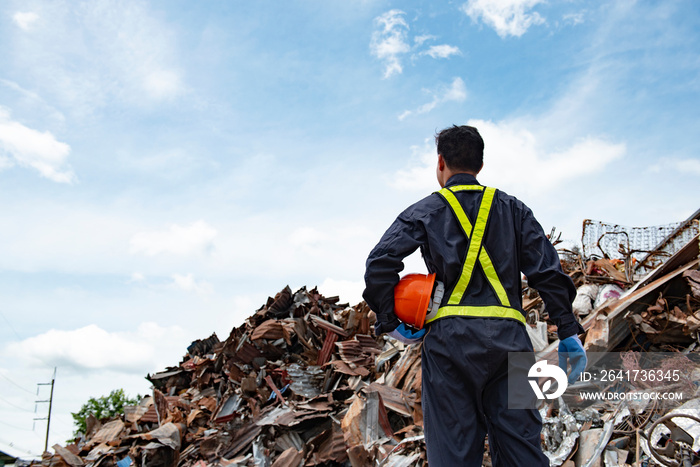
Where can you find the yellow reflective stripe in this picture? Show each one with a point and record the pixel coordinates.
(465, 188)
(474, 244)
(459, 212)
(467, 228)
(492, 277)
(493, 311)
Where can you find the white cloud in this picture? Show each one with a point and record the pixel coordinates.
(124, 52)
(167, 163)
(138, 50)
(5, 162)
(389, 41)
(25, 19)
(162, 84)
(514, 150)
(91, 347)
(31, 148)
(183, 282)
(574, 18)
(420, 175)
(419, 40)
(456, 92)
(687, 166)
(517, 160)
(87, 366)
(506, 17)
(36, 99)
(305, 237)
(137, 277)
(349, 291)
(684, 166)
(195, 238)
(442, 51)
(189, 284)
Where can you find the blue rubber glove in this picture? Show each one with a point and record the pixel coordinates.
(405, 335)
(571, 350)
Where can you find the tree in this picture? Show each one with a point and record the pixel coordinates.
(102, 407)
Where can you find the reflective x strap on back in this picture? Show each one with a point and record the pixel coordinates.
(475, 250)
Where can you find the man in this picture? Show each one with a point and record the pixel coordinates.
(477, 241)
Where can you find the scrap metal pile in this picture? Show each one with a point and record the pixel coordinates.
(633, 302)
(305, 382)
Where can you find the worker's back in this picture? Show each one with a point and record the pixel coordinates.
(513, 241)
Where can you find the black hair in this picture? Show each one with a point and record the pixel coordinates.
(462, 148)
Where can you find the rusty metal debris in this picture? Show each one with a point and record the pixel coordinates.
(654, 308)
(296, 384)
(305, 382)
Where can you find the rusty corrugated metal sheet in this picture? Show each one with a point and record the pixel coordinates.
(325, 353)
(242, 438)
(306, 381)
(289, 458)
(152, 417)
(270, 329)
(395, 399)
(110, 432)
(404, 365)
(323, 324)
(247, 352)
(333, 449)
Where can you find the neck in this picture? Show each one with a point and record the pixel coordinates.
(449, 173)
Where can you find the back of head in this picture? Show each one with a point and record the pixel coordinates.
(461, 147)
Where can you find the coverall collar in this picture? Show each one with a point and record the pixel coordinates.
(462, 179)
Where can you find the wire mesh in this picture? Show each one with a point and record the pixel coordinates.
(649, 246)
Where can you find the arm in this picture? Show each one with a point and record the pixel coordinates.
(539, 261)
(383, 265)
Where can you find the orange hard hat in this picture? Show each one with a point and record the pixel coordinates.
(412, 297)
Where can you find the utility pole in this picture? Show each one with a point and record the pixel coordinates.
(50, 401)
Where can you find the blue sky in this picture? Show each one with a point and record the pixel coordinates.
(167, 165)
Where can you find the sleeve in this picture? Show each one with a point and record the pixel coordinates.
(539, 261)
(383, 265)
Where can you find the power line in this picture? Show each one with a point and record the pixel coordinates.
(15, 427)
(63, 422)
(18, 448)
(10, 325)
(15, 406)
(23, 389)
(20, 338)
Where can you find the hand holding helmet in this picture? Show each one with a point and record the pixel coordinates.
(415, 296)
(406, 335)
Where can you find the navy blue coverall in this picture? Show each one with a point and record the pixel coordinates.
(465, 359)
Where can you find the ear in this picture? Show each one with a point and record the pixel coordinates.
(482, 166)
(441, 163)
